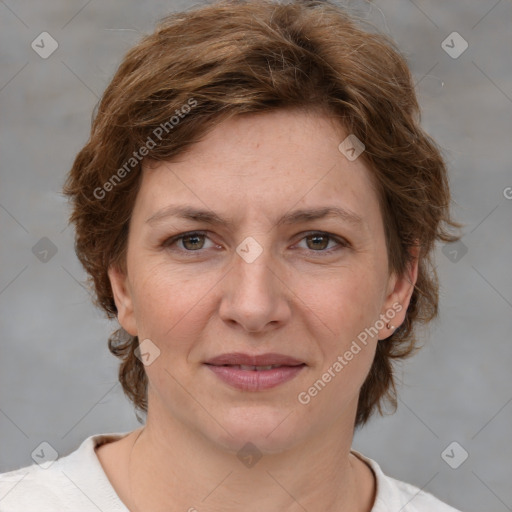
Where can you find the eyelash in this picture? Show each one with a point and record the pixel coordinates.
(342, 243)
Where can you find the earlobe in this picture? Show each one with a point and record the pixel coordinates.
(123, 299)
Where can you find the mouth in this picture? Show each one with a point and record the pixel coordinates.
(254, 360)
(255, 373)
(249, 367)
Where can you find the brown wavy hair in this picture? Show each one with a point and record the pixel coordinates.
(234, 57)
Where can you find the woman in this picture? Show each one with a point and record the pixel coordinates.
(257, 205)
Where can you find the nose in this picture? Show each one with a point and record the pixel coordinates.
(255, 297)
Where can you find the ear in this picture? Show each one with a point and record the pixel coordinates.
(398, 295)
(123, 299)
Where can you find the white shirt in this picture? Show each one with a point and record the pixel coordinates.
(78, 483)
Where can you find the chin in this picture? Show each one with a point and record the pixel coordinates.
(266, 430)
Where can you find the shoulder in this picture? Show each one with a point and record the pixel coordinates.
(393, 495)
(32, 488)
(71, 483)
(418, 500)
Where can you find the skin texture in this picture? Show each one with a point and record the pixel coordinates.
(304, 297)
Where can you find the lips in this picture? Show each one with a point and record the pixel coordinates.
(255, 372)
(253, 368)
(258, 372)
(254, 362)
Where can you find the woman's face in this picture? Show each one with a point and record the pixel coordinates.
(261, 271)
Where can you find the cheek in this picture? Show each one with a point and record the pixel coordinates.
(169, 304)
(343, 308)
(344, 302)
(347, 307)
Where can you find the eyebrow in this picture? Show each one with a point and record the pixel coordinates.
(294, 217)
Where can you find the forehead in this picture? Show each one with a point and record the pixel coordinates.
(264, 163)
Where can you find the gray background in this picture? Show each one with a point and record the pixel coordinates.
(58, 382)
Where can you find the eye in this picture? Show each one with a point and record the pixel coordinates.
(323, 242)
(195, 241)
(189, 242)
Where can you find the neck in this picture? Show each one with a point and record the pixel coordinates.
(170, 463)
